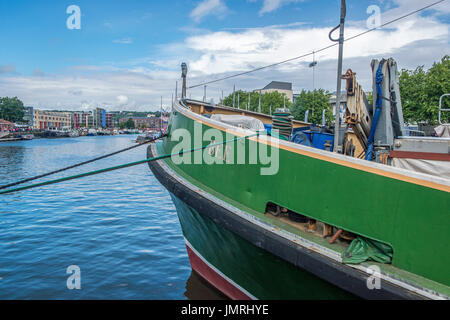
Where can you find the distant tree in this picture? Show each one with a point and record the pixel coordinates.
(130, 123)
(413, 95)
(315, 101)
(11, 109)
(421, 89)
(269, 101)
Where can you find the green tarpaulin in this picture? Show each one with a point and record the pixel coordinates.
(363, 249)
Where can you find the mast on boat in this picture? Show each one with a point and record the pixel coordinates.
(337, 124)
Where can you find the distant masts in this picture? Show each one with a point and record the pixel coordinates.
(239, 101)
(312, 65)
(234, 92)
(259, 102)
(161, 116)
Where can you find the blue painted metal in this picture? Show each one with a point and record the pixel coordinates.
(302, 138)
(103, 118)
(319, 140)
(376, 117)
(315, 139)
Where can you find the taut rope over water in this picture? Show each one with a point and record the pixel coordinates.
(91, 173)
(79, 164)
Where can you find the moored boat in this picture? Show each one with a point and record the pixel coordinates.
(91, 133)
(74, 133)
(26, 136)
(258, 211)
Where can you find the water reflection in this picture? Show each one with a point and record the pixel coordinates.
(198, 288)
(120, 228)
(11, 160)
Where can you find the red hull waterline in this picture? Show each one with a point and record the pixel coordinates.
(215, 277)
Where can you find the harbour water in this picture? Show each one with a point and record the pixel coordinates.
(120, 228)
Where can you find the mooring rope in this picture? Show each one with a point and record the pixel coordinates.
(79, 164)
(91, 173)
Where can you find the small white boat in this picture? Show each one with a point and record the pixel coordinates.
(91, 132)
(26, 137)
(74, 134)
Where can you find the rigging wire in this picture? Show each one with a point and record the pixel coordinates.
(316, 51)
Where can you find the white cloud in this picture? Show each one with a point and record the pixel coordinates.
(7, 69)
(272, 5)
(96, 88)
(208, 7)
(122, 99)
(417, 40)
(124, 41)
(38, 72)
(239, 51)
(243, 50)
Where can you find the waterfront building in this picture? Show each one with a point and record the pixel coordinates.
(279, 86)
(82, 119)
(99, 115)
(112, 119)
(43, 119)
(146, 122)
(6, 126)
(28, 116)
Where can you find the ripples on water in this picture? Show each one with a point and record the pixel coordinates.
(119, 227)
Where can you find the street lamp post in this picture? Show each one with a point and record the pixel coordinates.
(184, 71)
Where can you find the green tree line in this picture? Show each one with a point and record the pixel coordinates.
(269, 101)
(129, 124)
(314, 101)
(421, 89)
(11, 109)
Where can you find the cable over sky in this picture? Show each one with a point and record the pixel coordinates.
(315, 51)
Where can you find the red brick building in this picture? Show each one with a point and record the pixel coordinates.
(6, 126)
(146, 122)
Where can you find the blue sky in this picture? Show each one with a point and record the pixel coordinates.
(127, 53)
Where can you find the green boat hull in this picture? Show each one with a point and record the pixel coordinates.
(406, 211)
(261, 274)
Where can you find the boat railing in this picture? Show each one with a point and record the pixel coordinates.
(440, 106)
